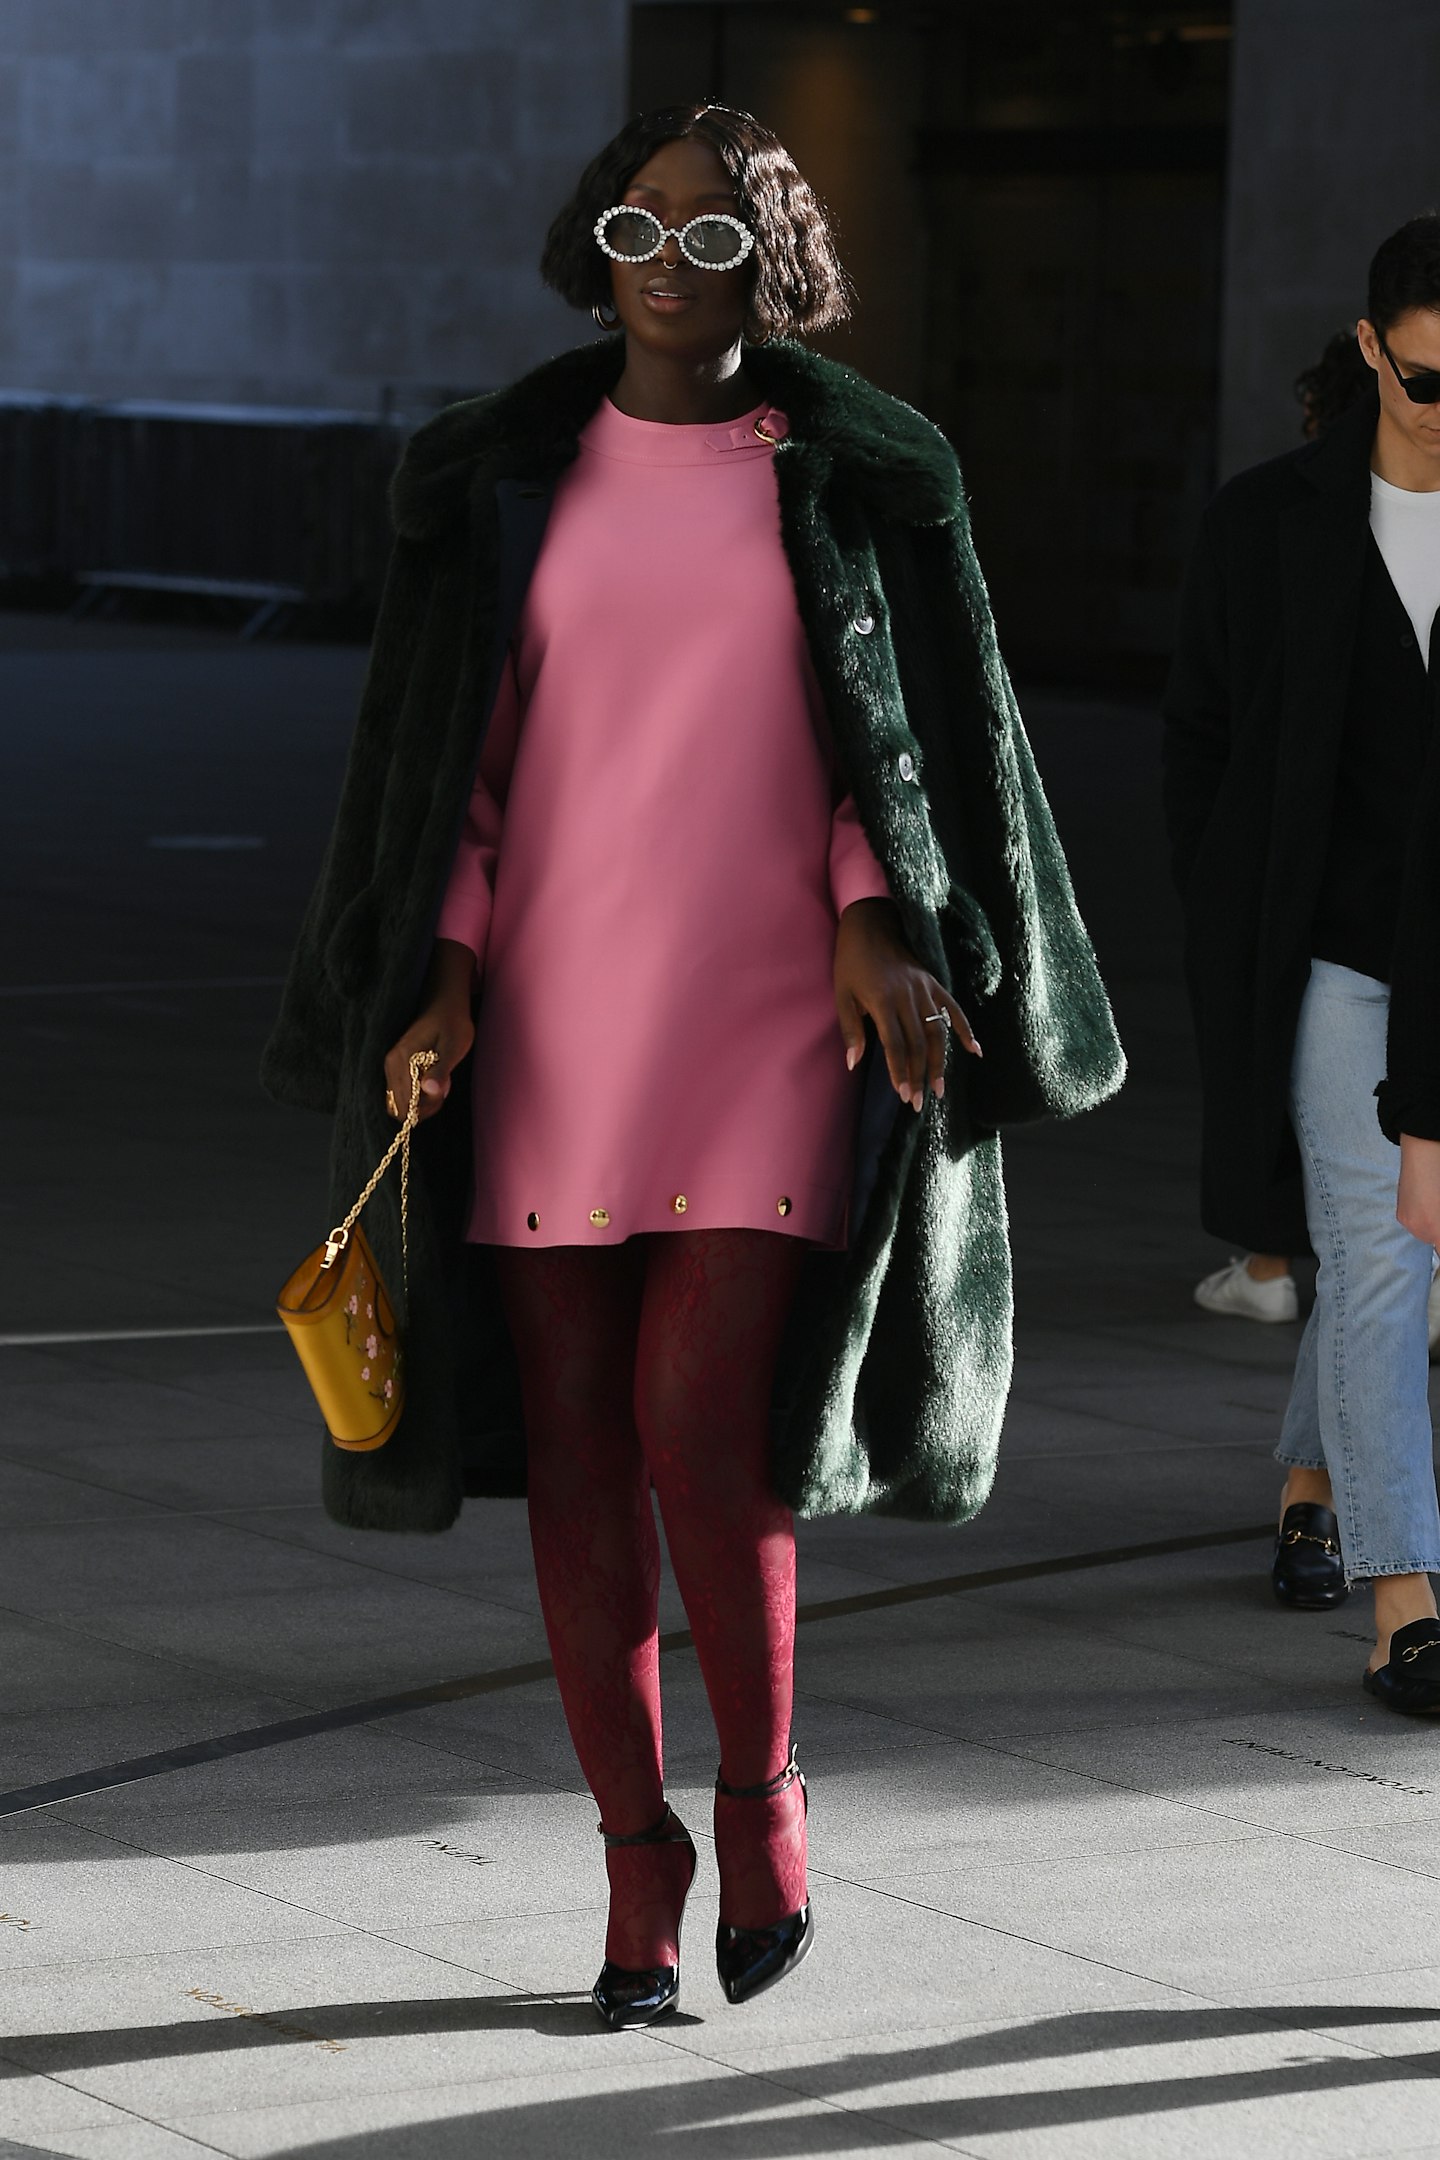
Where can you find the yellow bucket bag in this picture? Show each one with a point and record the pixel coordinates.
(340, 1315)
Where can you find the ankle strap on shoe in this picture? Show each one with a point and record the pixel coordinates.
(668, 1831)
(781, 1782)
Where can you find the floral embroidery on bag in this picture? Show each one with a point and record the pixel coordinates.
(377, 1347)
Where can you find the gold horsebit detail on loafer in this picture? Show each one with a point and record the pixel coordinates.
(1307, 1537)
(1407, 1657)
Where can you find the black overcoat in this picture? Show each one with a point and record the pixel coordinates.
(895, 1369)
(1410, 1093)
(1254, 715)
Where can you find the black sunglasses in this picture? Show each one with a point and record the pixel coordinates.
(1422, 389)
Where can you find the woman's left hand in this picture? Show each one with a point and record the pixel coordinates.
(1417, 1205)
(877, 976)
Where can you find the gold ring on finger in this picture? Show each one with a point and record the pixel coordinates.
(390, 1103)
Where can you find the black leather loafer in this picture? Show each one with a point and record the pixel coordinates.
(1308, 1571)
(1410, 1682)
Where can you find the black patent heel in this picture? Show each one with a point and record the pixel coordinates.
(749, 1960)
(623, 1997)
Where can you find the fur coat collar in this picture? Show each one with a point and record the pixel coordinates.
(896, 1366)
(888, 455)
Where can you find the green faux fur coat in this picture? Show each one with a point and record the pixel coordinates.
(894, 1375)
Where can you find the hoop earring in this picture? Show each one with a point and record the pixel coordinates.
(600, 311)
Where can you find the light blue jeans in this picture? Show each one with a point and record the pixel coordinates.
(1359, 1404)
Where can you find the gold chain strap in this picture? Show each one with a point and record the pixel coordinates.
(339, 1238)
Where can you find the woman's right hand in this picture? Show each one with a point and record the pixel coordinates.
(444, 1025)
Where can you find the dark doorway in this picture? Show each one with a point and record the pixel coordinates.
(1030, 202)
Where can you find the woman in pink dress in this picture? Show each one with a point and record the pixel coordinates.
(686, 785)
(703, 954)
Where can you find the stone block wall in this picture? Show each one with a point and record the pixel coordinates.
(294, 202)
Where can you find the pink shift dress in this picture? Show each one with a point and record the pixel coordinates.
(653, 865)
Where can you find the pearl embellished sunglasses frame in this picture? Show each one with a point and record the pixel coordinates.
(715, 226)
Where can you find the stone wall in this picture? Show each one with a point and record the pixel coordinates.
(297, 202)
(1334, 141)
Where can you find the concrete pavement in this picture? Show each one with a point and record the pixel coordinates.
(1111, 1857)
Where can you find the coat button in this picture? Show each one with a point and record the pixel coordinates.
(907, 766)
(679, 1203)
(864, 624)
(532, 1222)
(784, 1204)
(600, 1216)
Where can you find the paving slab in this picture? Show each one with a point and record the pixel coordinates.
(142, 1708)
(1305, 1772)
(392, 1860)
(1079, 1843)
(311, 2021)
(240, 1474)
(39, 2107)
(1123, 2082)
(1189, 1915)
(342, 1640)
(124, 2136)
(654, 2099)
(975, 1675)
(78, 1895)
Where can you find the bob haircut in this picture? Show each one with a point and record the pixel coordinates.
(1405, 273)
(798, 282)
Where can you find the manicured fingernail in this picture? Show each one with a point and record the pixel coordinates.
(976, 1048)
(939, 1091)
(852, 1058)
(905, 1091)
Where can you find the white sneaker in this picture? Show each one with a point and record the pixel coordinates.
(1234, 1291)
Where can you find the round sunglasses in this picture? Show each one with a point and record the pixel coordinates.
(713, 242)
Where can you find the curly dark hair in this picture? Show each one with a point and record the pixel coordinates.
(1338, 380)
(1405, 273)
(798, 282)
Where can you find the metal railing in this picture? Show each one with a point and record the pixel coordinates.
(267, 504)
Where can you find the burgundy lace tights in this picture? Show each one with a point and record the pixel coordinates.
(648, 1362)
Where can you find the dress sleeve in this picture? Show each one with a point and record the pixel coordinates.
(855, 874)
(470, 894)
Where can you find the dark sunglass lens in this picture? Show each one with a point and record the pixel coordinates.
(712, 242)
(1423, 389)
(632, 232)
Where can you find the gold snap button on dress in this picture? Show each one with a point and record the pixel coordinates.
(783, 1205)
(532, 1222)
(600, 1216)
(680, 1203)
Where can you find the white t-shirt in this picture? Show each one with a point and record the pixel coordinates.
(1406, 525)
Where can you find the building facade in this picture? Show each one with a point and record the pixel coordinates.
(1095, 241)
(329, 203)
